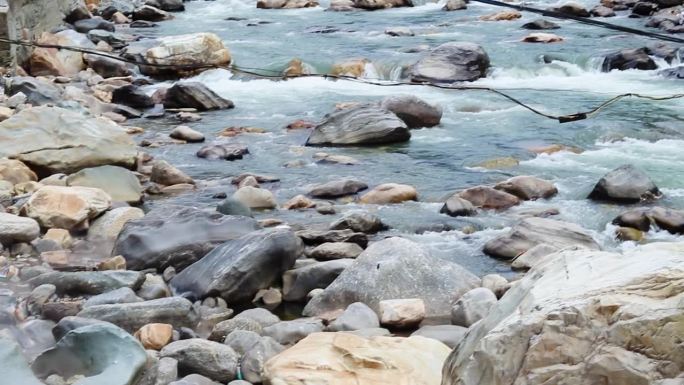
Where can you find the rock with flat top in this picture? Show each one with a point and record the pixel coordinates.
(625, 184)
(191, 54)
(66, 207)
(360, 125)
(194, 95)
(451, 62)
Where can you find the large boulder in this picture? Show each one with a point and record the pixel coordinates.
(625, 184)
(344, 358)
(451, 62)
(54, 140)
(119, 183)
(237, 269)
(643, 218)
(527, 187)
(38, 91)
(356, 316)
(582, 317)
(396, 268)
(194, 95)
(15, 172)
(208, 358)
(177, 236)
(472, 306)
(360, 125)
(413, 111)
(192, 53)
(57, 62)
(66, 207)
(488, 198)
(628, 59)
(381, 4)
(534, 231)
(17, 229)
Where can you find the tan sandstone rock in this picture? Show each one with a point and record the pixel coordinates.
(390, 193)
(155, 336)
(66, 207)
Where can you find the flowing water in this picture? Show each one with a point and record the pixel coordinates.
(476, 126)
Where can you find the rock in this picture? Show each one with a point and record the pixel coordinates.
(381, 4)
(262, 316)
(337, 188)
(119, 183)
(13, 365)
(644, 8)
(324, 158)
(472, 307)
(291, 332)
(628, 234)
(155, 336)
(458, 207)
(14, 229)
(355, 68)
(187, 134)
(628, 59)
(87, 25)
(539, 37)
(363, 124)
(496, 283)
(147, 242)
(336, 250)
(402, 313)
(533, 256)
(255, 198)
(451, 62)
(413, 111)
(357, 316)
(454, 5)
(223, 151)
(121, 295)
(268, 298)
(236, 270)
(540, 24)
(167, 5)
(602, 11)
(194, 95)
(165, 174)
(55, 62)
(205, 50)
(107, 67)
(286, 4)
(389, 193)
(232, 206)
(89, 282)
(253, 361)
(297, 283)
(176, 311)
(643, 218)
(625, 184)
(241, 341)
(108, 226)
(54, 140)
(195, 379)
(533, 231)
(102, 352)
(224, 328)
(299, 202)
(528, 187)
(313, 237)
(167, 371)
(673, 73)
(132, 96)
(572, 8)
(503, 15)
(395, 268)
(111, 39)
(154, 287)
(488, 198)
(612, 313)
(348, 359)
(359, 221)
(55, 311)
(36, 91)
(450, 335)
(399, 31)
(211, 359)
(498, 163)
(66, 207)
(148, 13)
(15, 172)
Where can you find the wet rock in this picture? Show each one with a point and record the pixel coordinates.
(120, 295)
(223, 151)
(235, 271)
(336, 250)
(297, 283)
(643, 218)
(602, 11)
(168, 175)
(291, 332)
(299, 202)
(36, 91)
(528, 187)
(232, 206)
(194, 95)
(399, 31)
(625, 184)
(211, 359)
(268, 298)
(413, 111)
(348, 358)
(540, 24)
(644, 8)
(13, 365)
(107, 67)
(381, 4)
(362, 124)
(167, 5)
(395, 268)
(488, 198)
(628, 234)
(450, 335)
(454, 5)
(503, 15)
(111, 39)
(203, 50)
(673, 73)
(108, 226)
(119, 183)
(67, 324)
(187, 134)
(177, 236)
(533, 231)
(402, 313)
(132, 96)
(149, 13)
(132, 316)
(572, 8)
(15, 229)
(337, 188)
(458, 207)
(627, 59)
(472, 307)
(389, 193)
(324, 158)
(359, 221)
(539, 37)
(155, 336)
(451, 62)
(533, 256)
(313, 237)
(66, 207)
(89, 282)
(255, 198)
(356, 316)
(286, 4)
(103, 353)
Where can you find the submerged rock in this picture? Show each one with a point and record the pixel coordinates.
(627, 59)
(361, 125)
(13, 366)
(643, 218)
(625, 184)
(451, 62)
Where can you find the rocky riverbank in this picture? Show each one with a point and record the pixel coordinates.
(109, 276)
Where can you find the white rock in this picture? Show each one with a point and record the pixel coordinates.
(402, 313)
(472, 306)
(255, 198)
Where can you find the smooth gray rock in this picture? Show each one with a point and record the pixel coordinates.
(356, 316)
(87, 25)
(253, 361)
(177, 236)
(89, 282)
(540, 24)
(643, 218)
(132, 316)
(13, 366)
(359, 221)
(194, 95)
(625, 184)
(121, 295)
(337, 188)
(450, 335)
(451, 62)
(14, 229)
(291, 332)
(154, 287)
(241, 341)
(260, 315)
(195, 379)
(396, 268)
(211, 359)
(456, 206)
(232, 206)
(119, 183)
(336, 250)
(238, 269)
(224, 328)
(37, 91)
(627, 59)
(316, 237)
(413, 111)
(297, 283)
(360, 125)
(472, 306)
(167, 371)
(67, 324)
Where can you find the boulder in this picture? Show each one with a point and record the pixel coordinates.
(454, 5)
(149, 13)
(107, 67)
(472, 306)
(673, 73)
(177, 236)
(15, 172)
(313, 237)
(231, 206)
(540, 37)
(297, 283)
(187, 134)
(66, 207)
(56, 62)
(337, 188)
(194, 95)
(286, 4)
(16, 229)
(488, 198)
(200, 51)
(627, 59)
(602, 11)
(261, 316)
(108, 226)
(102, 353)
(223, 329)
(389, 193)
(503, 15)
(533, 256)
(456, 206)
(155, 336)
(176, 311)
(643, 218)
(299, 202)
(252, 362)
(402, 313)
(625, 184)
(533, 231)
(89, 282)
(121, 295)
(527, 187)
(540, 24)
(359, 221)
(237, 269)
(167, 5)
(451, 62)
(360, 125)
(450, 335)
(36, 91)
(291, 332)
(572, 8)
(395, 268)
(356, 316)
(53, 140)
(119, 183)
(211, 359)
(399, 31)
(336, 250)
(598, 311)
(381, 4)
(344, 358)
(167, 175)
(413, 111)
(225, 151)
(132, 96)
(89, 24)
(255, 198)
